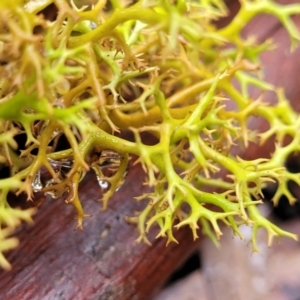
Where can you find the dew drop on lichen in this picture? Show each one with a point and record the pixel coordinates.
(62, 167)
(104, 184)
(53, 193)
(106, 167)
(36, 184)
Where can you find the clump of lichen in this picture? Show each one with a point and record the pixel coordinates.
(156, 66)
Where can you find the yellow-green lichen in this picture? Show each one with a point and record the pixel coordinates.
(156, 66)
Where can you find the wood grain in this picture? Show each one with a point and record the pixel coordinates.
(103, 262)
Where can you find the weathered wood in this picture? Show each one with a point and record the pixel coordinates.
(103, 262)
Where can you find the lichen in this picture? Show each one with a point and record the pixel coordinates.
(157, 66)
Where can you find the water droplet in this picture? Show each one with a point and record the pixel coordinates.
(93, 25)
(54, 193)
(36, 184)
(63, 167)
(43, 178)
(106, 167)
(104, 184)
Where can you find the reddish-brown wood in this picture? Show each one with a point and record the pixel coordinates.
(104, 262)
